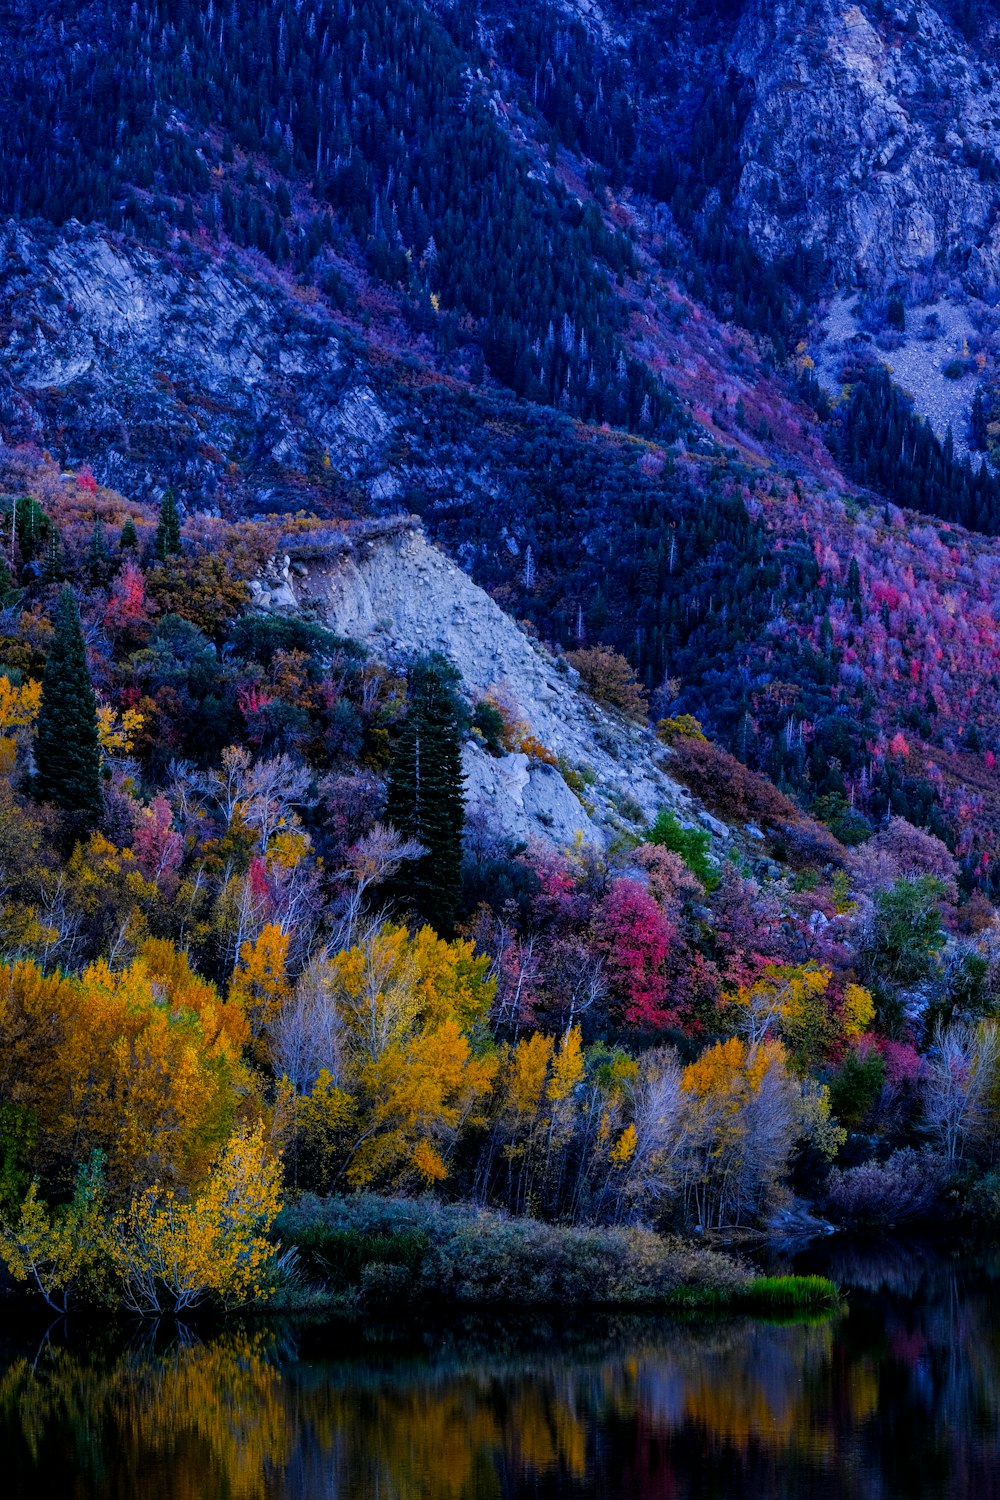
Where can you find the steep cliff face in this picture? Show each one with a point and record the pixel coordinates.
(165, 364)
(874, 133)
(393, 590)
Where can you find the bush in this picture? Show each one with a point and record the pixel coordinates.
(684, 726)
(726, 785)
(259, 637)
(609, 679)
(908, 1186)
(692, 844)
(461, 1255)
(489, 722)
(856, 1086)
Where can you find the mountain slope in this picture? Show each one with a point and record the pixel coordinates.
(552, 277)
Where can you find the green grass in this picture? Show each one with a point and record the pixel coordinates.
(763, 1295)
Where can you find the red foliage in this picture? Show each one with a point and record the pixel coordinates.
(253, 698)
(157, 846)
(634, 939)
(258, 878)
(127, 609)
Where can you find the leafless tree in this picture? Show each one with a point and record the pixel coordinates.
(306, 1035)
(961, 1072)
(370, 862)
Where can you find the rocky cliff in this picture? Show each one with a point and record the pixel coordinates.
(874, 132)
(388, 587)
(156, 364)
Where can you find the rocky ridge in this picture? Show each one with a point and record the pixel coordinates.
(386, 586)
(874, 132)
(180, 363)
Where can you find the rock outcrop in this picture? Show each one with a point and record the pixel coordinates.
(187, 369)
(874, 133)
(388, 587)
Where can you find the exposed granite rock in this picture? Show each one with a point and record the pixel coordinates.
(183, 370)
(874, 133)
(384, 584)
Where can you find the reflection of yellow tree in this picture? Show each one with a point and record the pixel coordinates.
(226, 1418)
(215, 1413)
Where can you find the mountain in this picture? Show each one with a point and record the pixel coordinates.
(518, 485)
(600, 292)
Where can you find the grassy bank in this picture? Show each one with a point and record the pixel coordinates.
(366, 1252)
(777, 1296)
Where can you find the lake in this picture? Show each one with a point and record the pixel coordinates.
(897, 1396)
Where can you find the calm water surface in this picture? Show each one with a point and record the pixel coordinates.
(897, 1397)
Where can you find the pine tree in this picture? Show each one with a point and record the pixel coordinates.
(129, 539)
(67, 753)
(168, 530)
(426, 797)
(96, 560)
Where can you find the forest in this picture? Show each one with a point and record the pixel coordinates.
(280, 1021)
(254, 956)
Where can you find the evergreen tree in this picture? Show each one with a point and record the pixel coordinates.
(168, 531)
(67, 753)
(96, 560)
(129, 539)
(426, 796)
(978, 421)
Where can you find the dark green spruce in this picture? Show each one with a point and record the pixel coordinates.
(167, 542)
(67, 753)
(426, 798)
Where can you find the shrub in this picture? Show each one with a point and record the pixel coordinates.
(856, 1086)
(727, 786)
(908, 1186)
(489, 722)
(463, 1255)
(259, 637)
(684, 726)
(609, 679)
(692, 844)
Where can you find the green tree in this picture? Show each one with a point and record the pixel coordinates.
(426, 798)
(904, 940)
(129, 539)
(96, 560)
(167, 541)
(67, 753)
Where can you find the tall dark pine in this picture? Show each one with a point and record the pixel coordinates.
(167, 541)
(67, 752)
(426, 800)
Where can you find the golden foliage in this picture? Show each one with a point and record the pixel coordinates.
(117, 733)
(170, 1254)
(143, 1064)
(857, 1012)
(56, 1250)
(683, 726)
(19, 705)
(408, 1009)
(259, 985)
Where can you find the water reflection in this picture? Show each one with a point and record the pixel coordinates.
(898, 1398)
